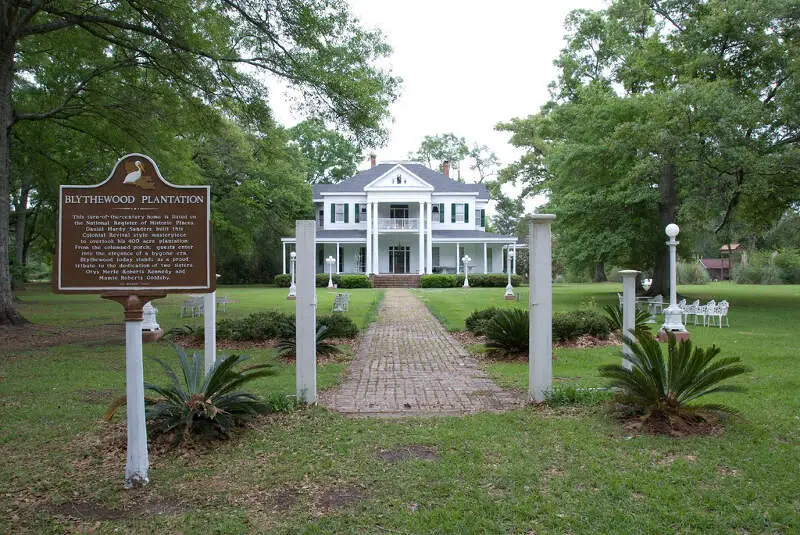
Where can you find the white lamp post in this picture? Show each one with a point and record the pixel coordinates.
(292, 287)
(331, 261)
(509, 289)
(466, 259)
(673, 317)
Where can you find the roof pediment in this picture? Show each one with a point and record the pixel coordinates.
(398, 178)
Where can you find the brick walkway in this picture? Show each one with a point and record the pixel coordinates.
(408, 364)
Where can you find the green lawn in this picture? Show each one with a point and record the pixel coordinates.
(549, 471)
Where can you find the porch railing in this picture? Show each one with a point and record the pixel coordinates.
(398, 223)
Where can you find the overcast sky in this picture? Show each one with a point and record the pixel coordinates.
(466, 65)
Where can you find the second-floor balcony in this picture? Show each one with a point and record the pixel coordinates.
(398, 223)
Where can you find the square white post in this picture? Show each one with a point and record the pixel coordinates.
(283, 247)
(376, 266)
(458, 258)
(337, 257)
(421, 239)
(368, 266)
(485, 267)
(429, 254)
(306, 313)
(137, 461)
(210, 329)
(540, 303)
(628, 312)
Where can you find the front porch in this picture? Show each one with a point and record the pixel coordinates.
(400, 255)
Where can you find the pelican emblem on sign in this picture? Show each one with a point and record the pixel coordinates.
(136, 176)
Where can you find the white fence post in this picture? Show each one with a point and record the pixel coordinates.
(540, 303)
(306, 312)
(137, 462)
(628, 311)
(210, 329)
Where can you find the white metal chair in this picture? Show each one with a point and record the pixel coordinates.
(619, 295)
(704, 311)
(341, 303)
(689, 310)
(657, 304)
(720, 311)
(192, 307)
(223, 302)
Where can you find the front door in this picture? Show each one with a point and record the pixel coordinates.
(399, 258)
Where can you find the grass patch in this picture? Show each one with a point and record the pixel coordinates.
(311, 471)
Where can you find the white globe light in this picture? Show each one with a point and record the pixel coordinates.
(293, 254)
(672, 230)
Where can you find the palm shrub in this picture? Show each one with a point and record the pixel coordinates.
(287, 343)
(665, 387)
(204, 405)
(507, 332)
(641, 319)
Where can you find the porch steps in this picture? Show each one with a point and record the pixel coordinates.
(395, 281)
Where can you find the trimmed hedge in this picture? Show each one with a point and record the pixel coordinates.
(340, 280)
(570, 325)
(566, 325)
(339, 326)
(261, 326)
(477, 321)
(477, 280)
(437, 281)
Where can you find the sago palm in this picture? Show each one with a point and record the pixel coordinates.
(666, 386)
(204, 404)
(507, 332)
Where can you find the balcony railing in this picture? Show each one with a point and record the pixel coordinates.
(398, 223)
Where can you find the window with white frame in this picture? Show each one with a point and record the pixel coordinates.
(339, 211)
(363, 210)
(435, 212)
(460, 212)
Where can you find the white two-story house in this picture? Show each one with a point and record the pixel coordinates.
(404, 218)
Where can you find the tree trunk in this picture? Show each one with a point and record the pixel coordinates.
(21, 212)
(667, 212)
(8, 314)
(599, 272)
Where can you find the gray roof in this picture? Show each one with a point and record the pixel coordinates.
(440, 183)
(468, 235)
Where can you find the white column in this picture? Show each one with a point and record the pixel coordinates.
(137, 461)
(210, 329)
(369, 239)
(485, 267)
(306, 312)
(540, 303)
(628, 311)
(337, 257)
(283, 246)
(421, 254)
(376, 257)
(429, 255)
(514, 261)
(458, 259)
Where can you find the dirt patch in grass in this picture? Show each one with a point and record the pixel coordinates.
(337, 497)
(87, 511)
(697, 423)
(414, 451)
(30, 336)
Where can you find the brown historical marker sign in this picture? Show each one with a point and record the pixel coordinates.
(134, 233)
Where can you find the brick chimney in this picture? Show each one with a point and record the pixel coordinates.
(372, 160)
(446, 168)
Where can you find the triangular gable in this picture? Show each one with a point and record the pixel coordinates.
(398, 178)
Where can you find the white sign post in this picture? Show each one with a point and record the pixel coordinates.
(306, 312)
(628, 312)
(540, 303)
(210, 329)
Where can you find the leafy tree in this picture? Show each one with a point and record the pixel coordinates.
(666, 111)
(331, 156)
(483, 161)
(440, 148)
(71, 63)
